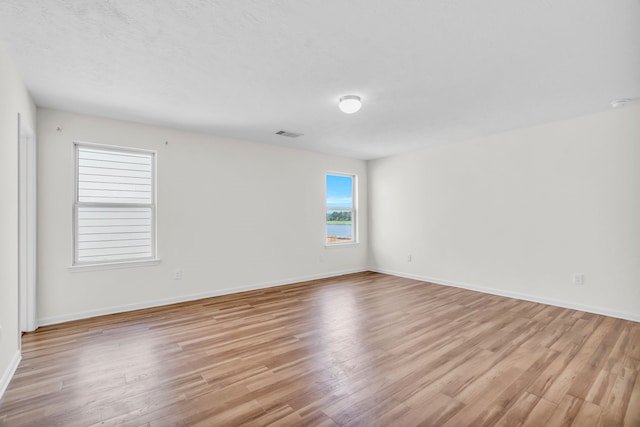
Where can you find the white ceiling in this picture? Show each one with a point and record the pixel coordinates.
(427, 71)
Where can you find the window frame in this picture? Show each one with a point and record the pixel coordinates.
(353, 209)
(132, 262)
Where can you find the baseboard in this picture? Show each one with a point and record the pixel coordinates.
(8, 373)
(516, 295)
(218, 292)
(184, 298)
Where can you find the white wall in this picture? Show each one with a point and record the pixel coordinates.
(14, 99)
(231, 215)
(515, 213)
(519, 212)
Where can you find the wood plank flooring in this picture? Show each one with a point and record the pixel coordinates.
(360, 350)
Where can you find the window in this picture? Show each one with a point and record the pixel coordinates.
(114, 209)
(340, 209)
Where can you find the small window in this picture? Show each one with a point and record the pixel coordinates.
(340, 209)
(114, 209)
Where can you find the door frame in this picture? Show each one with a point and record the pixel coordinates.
(27, 241)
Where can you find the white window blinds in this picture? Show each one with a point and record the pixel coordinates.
(115, 205)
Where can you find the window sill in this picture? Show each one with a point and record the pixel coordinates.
(340, 245)
(113, 265)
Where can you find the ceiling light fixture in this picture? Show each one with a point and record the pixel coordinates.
(618, 103)
(349, 104)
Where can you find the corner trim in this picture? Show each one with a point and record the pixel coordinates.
(517, 295)
(9, 372)
(191, 297)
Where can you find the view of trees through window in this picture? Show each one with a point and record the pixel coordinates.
(339, 216)
(340, 213)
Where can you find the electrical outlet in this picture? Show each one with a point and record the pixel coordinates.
(177, 275)
(321, 258)
(409, 258)
(578, 279)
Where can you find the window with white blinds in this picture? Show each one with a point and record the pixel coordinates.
(114, 210)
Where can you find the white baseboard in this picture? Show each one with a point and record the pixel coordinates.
(218, 292)
(183, 298)
(8, 373)
(516, 295)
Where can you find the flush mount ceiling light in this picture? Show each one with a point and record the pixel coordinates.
(619, 103)
(350, 104)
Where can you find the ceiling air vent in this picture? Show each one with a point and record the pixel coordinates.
(289, 134)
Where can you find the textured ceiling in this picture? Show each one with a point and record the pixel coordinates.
(427, 71)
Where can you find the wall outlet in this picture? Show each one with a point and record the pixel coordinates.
(177, 275)
(321, 258)
(409, 258)
(578, 279)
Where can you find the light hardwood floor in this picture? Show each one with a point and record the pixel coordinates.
(364, 349)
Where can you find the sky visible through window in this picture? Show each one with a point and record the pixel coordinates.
(339, 191)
